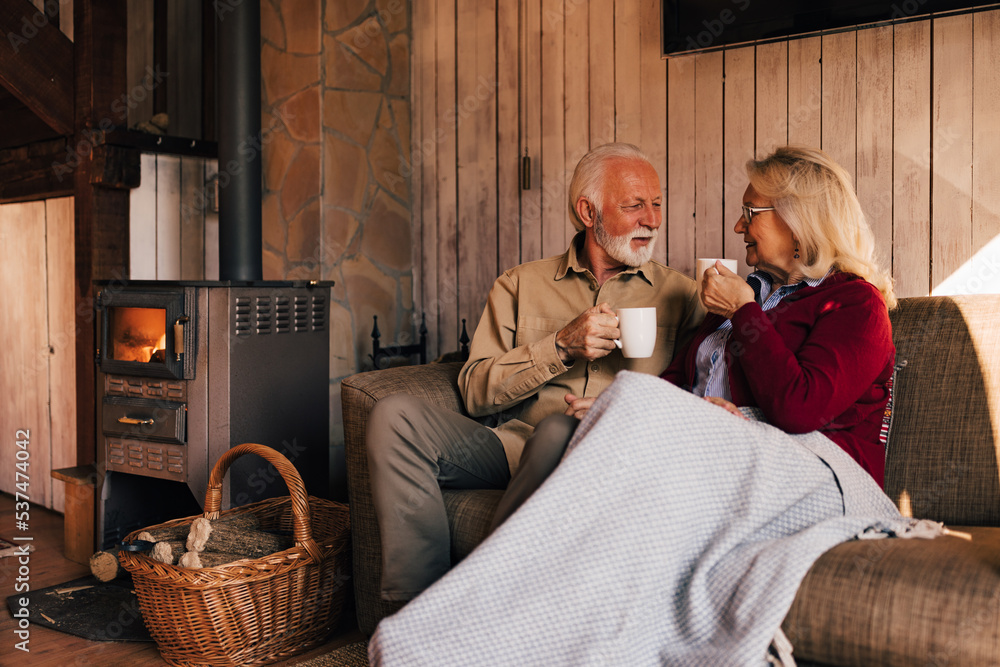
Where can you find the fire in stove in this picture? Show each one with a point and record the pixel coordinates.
(242, 363)
(139, 334)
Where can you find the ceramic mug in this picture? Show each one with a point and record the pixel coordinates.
(704, 263)
(638, 332)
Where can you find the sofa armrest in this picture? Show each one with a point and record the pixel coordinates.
(437, 383)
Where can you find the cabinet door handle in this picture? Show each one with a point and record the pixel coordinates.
(134, 420)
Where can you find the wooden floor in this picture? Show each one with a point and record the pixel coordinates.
(50, 648)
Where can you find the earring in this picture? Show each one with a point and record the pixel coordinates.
(796, 250)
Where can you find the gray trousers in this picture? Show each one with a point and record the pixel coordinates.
(542, 453)
(414, 450)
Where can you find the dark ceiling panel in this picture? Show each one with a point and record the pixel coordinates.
(18, 125)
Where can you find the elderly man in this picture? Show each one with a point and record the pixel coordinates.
(545, 345)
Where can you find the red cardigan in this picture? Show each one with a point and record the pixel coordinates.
(819, 360)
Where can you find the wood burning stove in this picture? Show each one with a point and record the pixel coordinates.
(187, 370)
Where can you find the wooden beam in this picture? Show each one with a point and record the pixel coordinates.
(115, 167)
(19, 126)
(27, 173)
(36, 63)
(100, 45)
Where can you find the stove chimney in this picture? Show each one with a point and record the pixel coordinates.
(239, 131)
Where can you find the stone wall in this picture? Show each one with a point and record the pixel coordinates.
(336, 112)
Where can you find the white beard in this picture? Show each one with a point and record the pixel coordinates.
(620, 248)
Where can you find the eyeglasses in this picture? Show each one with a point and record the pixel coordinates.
(749, 211)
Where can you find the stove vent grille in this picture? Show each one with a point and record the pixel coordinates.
(281, 314)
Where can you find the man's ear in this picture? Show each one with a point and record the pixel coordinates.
(585, 211)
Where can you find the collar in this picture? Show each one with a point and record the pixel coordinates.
(571, 262)
(758, 280)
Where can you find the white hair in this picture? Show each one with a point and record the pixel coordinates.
(588, 178)
(814, 196)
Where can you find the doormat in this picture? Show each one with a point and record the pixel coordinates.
(88, 608)
(352, 655)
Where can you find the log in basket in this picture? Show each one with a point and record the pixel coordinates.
(256, 610)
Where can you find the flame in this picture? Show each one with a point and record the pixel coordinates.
(133, 332)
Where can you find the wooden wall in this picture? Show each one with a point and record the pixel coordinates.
(39, 334)
(910, 110)
(173, 229)
(178, 92)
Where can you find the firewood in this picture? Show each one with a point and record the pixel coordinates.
(197, 560)
(105, 567)
(233, 524)
(228, 537)
(167, 551)
(165, 534)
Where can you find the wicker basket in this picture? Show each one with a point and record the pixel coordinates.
(256, 610)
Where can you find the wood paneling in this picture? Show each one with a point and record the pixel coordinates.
(168, 217)
(446, 289)
(602, 72)
(908, 110)
(911, 185)
(39, 375)
(508, 136)
(805, 91)
(951, 127)
(680, 208)
(874, 112)
(709, 220)
(652, 91)
(531, 128)
(140, 57)
(553, 158)
(477, 215)
(985, 269)
(142, 222)
(628, 77)
(22, 232)
(738, 127)
(61, 336)
(840, 98)
(173, 232)
(771, 107)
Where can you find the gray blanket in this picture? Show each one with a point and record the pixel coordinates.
(673, 533)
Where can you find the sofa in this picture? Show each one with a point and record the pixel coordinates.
(865, 602)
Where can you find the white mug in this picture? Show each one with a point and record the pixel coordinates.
(638, 332)
(704, 263)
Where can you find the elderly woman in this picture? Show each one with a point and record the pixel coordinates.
(807, 337)
(673, 532)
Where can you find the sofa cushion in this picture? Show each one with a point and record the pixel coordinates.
(902, 602)
(941, 461)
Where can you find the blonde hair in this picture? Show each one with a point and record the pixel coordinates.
(814, 196)
(589, 175)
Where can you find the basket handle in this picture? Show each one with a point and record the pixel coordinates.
(301, 521)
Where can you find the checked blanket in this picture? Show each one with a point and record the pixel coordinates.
(672, 533)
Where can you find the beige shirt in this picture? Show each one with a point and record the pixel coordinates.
(514, 370)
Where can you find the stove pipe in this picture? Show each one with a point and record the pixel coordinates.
(239, 131)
